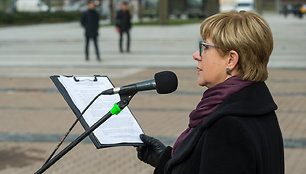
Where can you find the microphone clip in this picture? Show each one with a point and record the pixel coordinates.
(125, 99)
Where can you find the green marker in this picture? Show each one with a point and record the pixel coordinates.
(115, 110)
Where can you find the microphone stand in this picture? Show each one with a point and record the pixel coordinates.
(118, 107)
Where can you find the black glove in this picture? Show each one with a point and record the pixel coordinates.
(151, 151)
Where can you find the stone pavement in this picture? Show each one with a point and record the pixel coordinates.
(34, 115)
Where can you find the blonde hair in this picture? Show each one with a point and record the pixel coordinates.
(246, 33)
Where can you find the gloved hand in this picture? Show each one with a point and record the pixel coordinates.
(151, 151)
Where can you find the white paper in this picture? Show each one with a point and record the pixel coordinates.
(121, 128)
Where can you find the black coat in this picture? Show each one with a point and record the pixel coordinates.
(242, 136)
(123, 20)
(90, 21)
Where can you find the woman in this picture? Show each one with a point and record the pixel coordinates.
(234, 128)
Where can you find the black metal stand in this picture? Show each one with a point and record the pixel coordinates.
(122, 104)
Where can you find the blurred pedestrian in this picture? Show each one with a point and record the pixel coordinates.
(285, 10)
(123, 25)
(90, 22)
(234, 128)
(300, 6)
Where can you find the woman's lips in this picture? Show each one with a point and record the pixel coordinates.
(199, 69)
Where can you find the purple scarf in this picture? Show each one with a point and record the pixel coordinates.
(211, 99)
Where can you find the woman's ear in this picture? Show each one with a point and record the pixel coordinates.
(232, 60)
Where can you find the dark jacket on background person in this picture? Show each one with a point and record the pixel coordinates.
(242, 136)
(90, 21)
(123, 20)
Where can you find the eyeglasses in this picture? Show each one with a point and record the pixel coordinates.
(206, 45)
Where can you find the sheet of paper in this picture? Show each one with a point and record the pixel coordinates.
(121, 128)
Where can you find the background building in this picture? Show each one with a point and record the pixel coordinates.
(152, 8)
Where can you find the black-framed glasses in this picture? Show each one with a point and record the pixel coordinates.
(206, 45)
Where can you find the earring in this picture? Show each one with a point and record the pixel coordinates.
(228, 71)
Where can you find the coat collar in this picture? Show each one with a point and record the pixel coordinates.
(253, 100)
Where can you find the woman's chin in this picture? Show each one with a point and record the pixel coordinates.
(201, 83)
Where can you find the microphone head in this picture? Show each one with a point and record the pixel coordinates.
(166, 82)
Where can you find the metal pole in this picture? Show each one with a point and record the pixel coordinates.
(74, 143)
(118, 107)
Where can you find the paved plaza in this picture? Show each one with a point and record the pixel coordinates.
(34, 116)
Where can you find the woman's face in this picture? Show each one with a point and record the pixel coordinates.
(211, 66)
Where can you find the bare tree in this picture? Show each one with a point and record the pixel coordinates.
(212, 7)
(13, 6)
(258, 4)
(163, 12)
(140, 10)
(112, 11)
(49, 5)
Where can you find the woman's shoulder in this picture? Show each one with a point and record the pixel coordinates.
(229, 122)
(247, 127)
(229, 130)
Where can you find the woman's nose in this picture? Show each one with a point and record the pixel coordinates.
(196, 56)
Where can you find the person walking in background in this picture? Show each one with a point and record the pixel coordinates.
(234, 128)
(285, 10)
(90, 22)
(123, 25)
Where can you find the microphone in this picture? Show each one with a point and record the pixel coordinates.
(164, 82)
